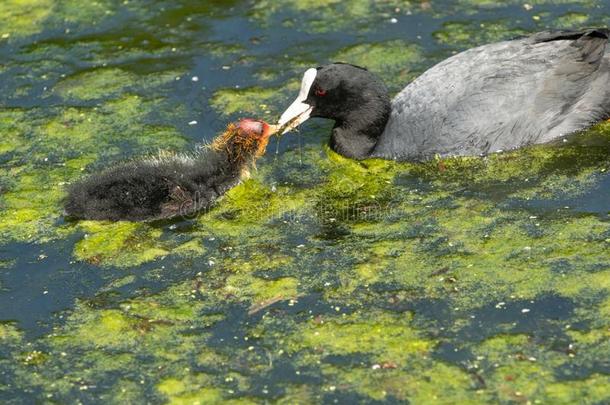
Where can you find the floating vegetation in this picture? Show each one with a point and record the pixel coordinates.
(319, 279)
(394, 61)
(331, 15)
(255, 101)
(23, 17)
(465, 34)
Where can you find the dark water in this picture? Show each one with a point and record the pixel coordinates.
(319, 280)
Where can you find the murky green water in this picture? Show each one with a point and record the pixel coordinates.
(320, 280)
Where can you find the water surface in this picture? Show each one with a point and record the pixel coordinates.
(319, 280)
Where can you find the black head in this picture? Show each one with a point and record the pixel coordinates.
(355, 98)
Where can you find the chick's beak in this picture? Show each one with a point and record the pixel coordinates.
(299, 111)
(268, 130)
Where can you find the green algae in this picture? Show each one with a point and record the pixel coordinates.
(29, 209)
(106, 329)
(32, 202)
(322, 16)
(23, 17)
(348, 335)
(110, 83)
(128, 244)
(535, 8)
(250, 100)
(180, 392)
(593, 389)
(472, 253)
(393, 61)
(13, 137)
(244, 209)
(14, 129)
(93, 85)
(515, 361)
(262, 291)
(320, 278)
(121, 244)
(9, 332)
(20, 18)
(571, 20)
(72, 11)
(465, 34)
(528, 163)
(265, 103)
(420, 387)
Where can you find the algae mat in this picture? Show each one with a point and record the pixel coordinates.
(320, 280)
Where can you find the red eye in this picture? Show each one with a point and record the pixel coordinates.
(320, 92)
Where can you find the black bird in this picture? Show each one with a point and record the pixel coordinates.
(495, 97)
(170, 185)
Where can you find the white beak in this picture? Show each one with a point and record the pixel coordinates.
(299, 111)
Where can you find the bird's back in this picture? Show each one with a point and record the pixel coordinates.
(153, 188)
(502, 96)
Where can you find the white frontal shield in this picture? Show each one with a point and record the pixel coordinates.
(299, 111)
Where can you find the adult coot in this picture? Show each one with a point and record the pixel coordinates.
(495, 97)
(170, 185)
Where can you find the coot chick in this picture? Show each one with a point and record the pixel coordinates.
(495, 97)
(170, 185)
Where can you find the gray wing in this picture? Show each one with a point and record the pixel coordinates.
(502, 96)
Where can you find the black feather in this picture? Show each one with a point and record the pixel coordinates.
(154, 188)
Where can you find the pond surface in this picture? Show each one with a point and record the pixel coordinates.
(319, 280)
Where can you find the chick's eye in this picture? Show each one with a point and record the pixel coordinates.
(320, 92)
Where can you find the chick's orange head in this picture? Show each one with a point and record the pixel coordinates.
(259, 130)
(255, 127)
